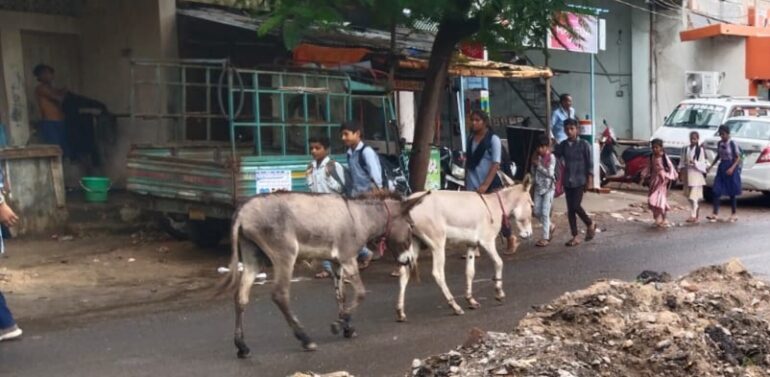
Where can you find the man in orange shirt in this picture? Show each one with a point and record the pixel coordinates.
(49, 99)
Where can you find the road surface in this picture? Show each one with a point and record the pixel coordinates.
(197, 341)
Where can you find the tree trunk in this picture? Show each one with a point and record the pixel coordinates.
(450, 32)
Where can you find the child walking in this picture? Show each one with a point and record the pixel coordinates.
(324, 176)
(365, 172)
(578, 177)
(544, 166)
(728, 179)
(692, 170)
(660, 173)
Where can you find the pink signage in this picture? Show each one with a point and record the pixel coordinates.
(585, 38)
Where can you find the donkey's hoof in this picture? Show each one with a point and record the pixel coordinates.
(335, 328)
(400, 316)
(473, 304)
(458, 311)
(500, 295)
(244, 354)
(350, 332)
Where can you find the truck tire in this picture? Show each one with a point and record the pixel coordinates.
(208, 233)
(176, 228)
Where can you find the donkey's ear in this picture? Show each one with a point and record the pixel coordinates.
(527, 182)
(507, 181)
(412, 202)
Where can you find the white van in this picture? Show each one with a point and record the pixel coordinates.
(704, 115)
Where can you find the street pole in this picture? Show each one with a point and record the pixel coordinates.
(594, 122)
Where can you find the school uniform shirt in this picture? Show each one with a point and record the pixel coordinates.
(557, 123)
(363, 182)
(578, 162)
(694, 172)
(475, 177)
(320, 179)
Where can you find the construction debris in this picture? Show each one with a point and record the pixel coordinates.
(712, 322)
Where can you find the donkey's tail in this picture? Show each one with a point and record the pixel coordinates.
(230, 282)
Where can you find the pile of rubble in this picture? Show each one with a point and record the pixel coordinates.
(712, 322)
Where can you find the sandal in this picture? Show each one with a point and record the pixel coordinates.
(542, 243)
(573, 242)
(323, 275)
(733, 219)
(712, 218)
(591, 232)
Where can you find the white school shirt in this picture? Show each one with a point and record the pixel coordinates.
(321, 182)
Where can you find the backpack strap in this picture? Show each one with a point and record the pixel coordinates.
(334, 174)
(734, 149)
(362, 163)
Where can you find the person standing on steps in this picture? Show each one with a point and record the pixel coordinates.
(49, 100)
(560, 115)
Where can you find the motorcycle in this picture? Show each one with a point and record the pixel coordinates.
(629, 167)
(452, 169)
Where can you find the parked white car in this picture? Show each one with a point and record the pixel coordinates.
(704, 115)
(752, 135)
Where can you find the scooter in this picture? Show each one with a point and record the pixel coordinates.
(634, 160)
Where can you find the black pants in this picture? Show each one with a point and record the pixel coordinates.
(575, 208)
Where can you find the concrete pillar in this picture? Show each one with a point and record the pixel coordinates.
(406, 115)
(642, 125)
(13, 76)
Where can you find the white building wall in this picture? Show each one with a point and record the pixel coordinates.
(674, 57)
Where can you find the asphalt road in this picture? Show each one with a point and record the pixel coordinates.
(197, 341)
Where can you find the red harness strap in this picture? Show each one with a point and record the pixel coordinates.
(382, 244)
(506, 220)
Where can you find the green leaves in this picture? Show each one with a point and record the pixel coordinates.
(503, 24)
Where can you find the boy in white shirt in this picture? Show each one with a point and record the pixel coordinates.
(324, 176)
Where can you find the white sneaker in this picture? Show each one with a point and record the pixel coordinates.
(10, 333)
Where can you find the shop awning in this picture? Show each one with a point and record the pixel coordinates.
(729, 30)
(480, 68)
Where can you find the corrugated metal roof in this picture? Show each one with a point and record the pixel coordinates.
(409, 42)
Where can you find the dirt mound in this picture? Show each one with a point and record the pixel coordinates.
(712, 322)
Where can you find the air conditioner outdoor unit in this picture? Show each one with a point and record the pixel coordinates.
(698, 84)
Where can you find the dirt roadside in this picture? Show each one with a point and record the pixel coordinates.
(68, 278)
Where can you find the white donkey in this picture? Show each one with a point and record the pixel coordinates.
(466, 219)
